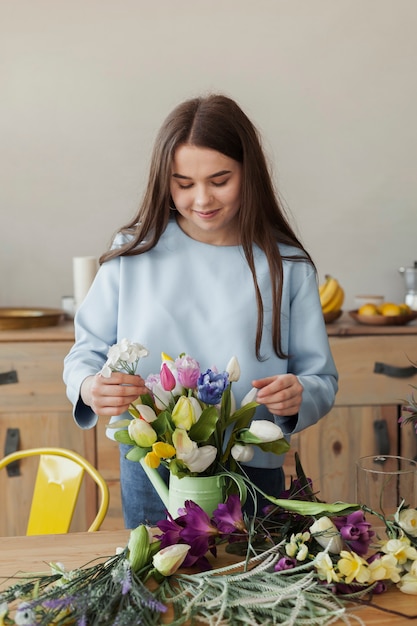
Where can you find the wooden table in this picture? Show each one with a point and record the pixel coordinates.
(33, 554)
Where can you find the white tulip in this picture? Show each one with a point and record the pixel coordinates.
(250, 397)
(326, 534)
(198, 459)
(146, 412)
(169, 559)
(265, 430)
(241, 453)
(233, 369)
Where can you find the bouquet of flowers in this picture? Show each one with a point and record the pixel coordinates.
(188, 421)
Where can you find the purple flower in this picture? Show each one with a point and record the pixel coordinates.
(188, 371)
(211, 385)
(228, 516)
(285, 562)
(198, 528)
(171, 529)
(195, 528)
(356, 531)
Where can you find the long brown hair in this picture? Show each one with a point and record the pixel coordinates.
(218, 123)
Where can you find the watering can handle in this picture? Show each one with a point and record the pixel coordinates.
(157, 481)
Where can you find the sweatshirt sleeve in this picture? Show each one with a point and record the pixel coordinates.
(310, 357)
(95, 331)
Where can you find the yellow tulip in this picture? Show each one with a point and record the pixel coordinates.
(163, 450)
(152, 460)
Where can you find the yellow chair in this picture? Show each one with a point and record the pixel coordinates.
(58, 481)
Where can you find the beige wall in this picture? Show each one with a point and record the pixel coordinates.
(85, 84)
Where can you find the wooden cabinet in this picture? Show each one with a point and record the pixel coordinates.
(34, 411)
(364, 420)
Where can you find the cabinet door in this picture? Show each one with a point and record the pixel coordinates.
(329, 450)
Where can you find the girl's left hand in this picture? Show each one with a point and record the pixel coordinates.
(281, 394)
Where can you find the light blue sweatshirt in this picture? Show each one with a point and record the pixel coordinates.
(184, 296)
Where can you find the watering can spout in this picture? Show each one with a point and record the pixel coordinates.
(157, 482)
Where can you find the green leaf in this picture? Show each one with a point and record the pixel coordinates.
(313, 508)
(137, 453)
(226, 403)
(178, 468)
(162, 425)
(277, 447)
(122, 436)
(206, 425)
(241, 417)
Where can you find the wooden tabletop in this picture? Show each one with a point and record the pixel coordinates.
(33, 554)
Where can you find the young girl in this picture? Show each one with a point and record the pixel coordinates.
(211, 267)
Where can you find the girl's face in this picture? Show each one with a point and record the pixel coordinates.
(205, 187)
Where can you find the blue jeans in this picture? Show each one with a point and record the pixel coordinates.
(270, 481)
(140, 502)
(142, 505)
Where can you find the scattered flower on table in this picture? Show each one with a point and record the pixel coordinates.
(317, 556)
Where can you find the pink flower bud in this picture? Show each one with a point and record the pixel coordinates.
(168, 381)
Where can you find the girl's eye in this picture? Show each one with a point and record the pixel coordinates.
(185, 186)
(219, 184)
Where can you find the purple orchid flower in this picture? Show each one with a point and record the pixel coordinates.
(284, 563)
(356, 531)
(171, 530)
(229, 518)
(211, 385)
(195, 528)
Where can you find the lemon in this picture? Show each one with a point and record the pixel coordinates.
(368, 309)
(405, 308)
(390, 309)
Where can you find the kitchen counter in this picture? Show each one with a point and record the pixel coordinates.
(346, 325)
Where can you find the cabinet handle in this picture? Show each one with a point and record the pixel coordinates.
(394, 371)
(6, 378)
(12, 445)
(382, 437)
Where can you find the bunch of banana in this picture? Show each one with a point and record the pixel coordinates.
(332, 295)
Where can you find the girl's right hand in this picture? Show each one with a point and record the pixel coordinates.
(112, 396)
